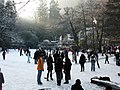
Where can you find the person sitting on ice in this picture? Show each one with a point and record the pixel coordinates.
(77, 85)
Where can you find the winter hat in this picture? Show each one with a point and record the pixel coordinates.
(78, 81)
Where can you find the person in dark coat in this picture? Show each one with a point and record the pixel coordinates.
(4, 53)
(49, 67)
(106, 58)
(1, 79)
(21, 51)
(36, 56)
(58, 70)
(56, 55)
(62, 55)
(77, 85)
(67, 68)
(82, 62)
(117, 56)
(96, 55)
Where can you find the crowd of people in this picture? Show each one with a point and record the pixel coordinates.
(61, 63)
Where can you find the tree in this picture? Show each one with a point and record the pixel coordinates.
(54, 12)
(10, 15)
(7, 22)
(42, 12)
(72, 22)
(94, 14)
(112, 23)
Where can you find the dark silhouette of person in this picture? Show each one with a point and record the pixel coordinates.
(4, 53)
(58, 70)
(49, 67)
(77, 85)
(67, 69)
(36, 56)
(82, 62)
(106, 58)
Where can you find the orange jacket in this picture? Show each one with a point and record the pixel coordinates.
(40, 64)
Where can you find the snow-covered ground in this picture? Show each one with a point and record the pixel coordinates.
(20, 75)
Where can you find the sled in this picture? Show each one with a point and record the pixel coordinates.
(45, 89)
(106, 83)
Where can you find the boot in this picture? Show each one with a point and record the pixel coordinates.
(47, 79)
(52, 79)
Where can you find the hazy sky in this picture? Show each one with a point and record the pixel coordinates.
(28, 10)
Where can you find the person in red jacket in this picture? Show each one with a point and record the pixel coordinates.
(40, 68)
(1, 79)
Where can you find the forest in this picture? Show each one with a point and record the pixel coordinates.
(97, 22)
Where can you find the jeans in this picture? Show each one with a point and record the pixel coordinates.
(39, 76)
(28, 59)
(59, 77)
(92, 66)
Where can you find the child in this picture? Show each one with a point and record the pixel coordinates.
(1, 79)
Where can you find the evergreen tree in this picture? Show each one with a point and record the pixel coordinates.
(2, 24)
(10, 15)
(7, 22)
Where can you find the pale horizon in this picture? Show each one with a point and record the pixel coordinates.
(28, 11)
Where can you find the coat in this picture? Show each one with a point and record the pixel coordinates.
(49, 63)
(1, 78)
(56, 55)
(40, 64)
(58, 64)
(76, 87)
(82, 59)
(36, 55)
(67, 65)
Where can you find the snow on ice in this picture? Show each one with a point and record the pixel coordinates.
(20, 75)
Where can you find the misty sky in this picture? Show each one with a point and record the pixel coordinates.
(29, 9)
